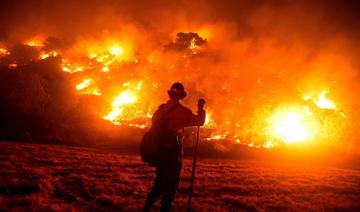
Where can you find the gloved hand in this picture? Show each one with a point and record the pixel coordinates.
(201, 103)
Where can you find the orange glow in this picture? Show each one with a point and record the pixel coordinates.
(45, 55)
(290, 127)
(4, 52)
(246, 107)
(325, 103)
(193, 47)
(35, 42)
(71, 68)
(209, 122)
(85, 83)
(105, 69)
(300, 123)
(116, 51)
(108, 51)
(321, 100)
(86, 87)
(205, 32)
(125, 98)
(13, 65)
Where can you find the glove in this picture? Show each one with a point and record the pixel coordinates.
(201, 103)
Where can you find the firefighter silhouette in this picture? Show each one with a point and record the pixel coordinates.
(168, 167)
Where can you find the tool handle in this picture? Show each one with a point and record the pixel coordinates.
(193, 169)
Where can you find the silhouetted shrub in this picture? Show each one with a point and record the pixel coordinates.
(35, 100)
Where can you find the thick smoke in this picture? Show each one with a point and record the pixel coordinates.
(253, 56)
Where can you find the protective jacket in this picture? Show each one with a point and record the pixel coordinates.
(169, 167)
(180, 117)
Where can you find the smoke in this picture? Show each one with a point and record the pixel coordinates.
(258, 55)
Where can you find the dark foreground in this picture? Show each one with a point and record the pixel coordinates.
(50, 177)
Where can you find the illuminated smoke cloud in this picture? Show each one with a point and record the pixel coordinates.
(271, 71)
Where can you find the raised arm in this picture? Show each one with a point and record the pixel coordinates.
(191, 119)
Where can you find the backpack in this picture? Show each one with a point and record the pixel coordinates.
(152, 145)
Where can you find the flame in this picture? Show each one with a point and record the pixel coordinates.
(13, 65)
(71, 68)
(114, 115)
(217, 137)
(94, 91)
(289, 126)
(84, 87)
(109, 52)
(193, 47)
(85, 83)
(209, 121)
(321, 100)
(4, 52)
(94, 63)
(300, 123)
(285, 125)
(45, 55)
(116, 51)
(325, 103)
(125, 98)
(105, 69)
(35, 42)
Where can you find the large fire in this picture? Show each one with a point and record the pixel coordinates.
(125, 98)
(298, 124)
(290, 127)
(128, 81)
(322, 101)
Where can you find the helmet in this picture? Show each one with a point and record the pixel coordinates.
(177, 91)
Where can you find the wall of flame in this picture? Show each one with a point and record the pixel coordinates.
(270, 77)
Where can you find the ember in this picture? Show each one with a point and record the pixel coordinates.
(4, 52)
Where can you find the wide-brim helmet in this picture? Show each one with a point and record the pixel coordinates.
(177, 91)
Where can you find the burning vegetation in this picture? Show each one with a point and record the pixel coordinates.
(263, 90)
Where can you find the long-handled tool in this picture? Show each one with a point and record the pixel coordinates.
(193, 169)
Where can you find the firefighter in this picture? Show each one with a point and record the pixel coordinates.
(168, 168)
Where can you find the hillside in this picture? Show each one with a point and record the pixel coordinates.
(52, 177)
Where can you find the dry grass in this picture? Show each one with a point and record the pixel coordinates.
(49, 177)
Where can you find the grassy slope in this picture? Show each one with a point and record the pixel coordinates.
(61, 178)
